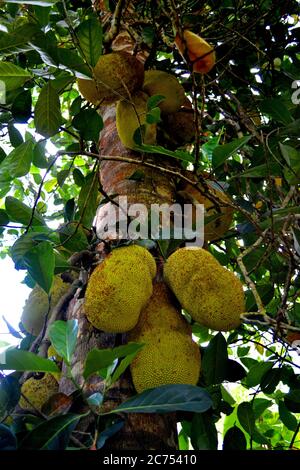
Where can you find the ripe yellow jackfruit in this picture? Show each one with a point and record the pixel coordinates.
(158, 82)
(200, 53)
(116, 76)
(37, 391)
(211, 294)
(170, 357)
(119, 288)
(159, 314)
(37, 305)
(130, 115)
(222, 216)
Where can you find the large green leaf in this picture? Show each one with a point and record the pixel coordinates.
(246, 417)
(89, 35)
(234, 439)
(276, 109)
(215, 360)
(40, 262)
(223, 152)
(204, 434)
(17, 163)
(98, 359)
(63, 336)
(19, 212)
(47, 114)
(288, 419)
(89, 124)
(256, 373)
(45, 436)
(87, 201)
(166, 399)
(23, 244)
(18, 360)
(12, 75)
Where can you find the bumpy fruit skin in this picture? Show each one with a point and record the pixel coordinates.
(211, 294)
(38, 392)
(222, 215)
(180, 126)
(199, 52)
(170, 357)
(37, 305)
(158, 82)
(116, 76)
(130, 115)
(119, 288)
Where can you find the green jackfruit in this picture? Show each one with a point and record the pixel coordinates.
(37, 391)
(37, 305)
(119, 288)
(158, 82)
(211, 294)
(169, 357)
(130, 115)
(159, 314)
(116, 76)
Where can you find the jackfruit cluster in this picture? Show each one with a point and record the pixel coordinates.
(210, 293)
(37, 391)
(221, 216)
(37, 305)
(116, 76)
(119, 288)
(169, 355)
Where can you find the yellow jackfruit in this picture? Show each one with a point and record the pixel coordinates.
(211, 294)
(37, 391)
(116, 76)
(130, 115)
(158, 82)
(170, 357)
(159, 314)
(53, 354)
(200, 53)
(37, 305)
(119, 288)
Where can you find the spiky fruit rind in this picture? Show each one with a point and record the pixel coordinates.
(199, 52)
(37, 391)
(170, 357)
(158, 82)
(130, 116)
(116, 76)
(211, 294)
(37, 305)
(119, 288)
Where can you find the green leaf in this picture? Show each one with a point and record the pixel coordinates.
(22, 361)
(288, 419)
(234, 439)
(19, 212)
(18, 40)
(4, 219)
(45, 435)
(270, 380)
(13, 76)
(47, 113)
(87, 201)
(9, 394)
(153, 116)
(260, 405)
(39, 155)
(123, 366)
(71, 61)
(246, 417)
(157, 149)
(154, 101)
(215, 360)
(23, 244)
(89, 35)
(17, 163)
(40, 261)
(73, 237)
(256, 373)
(203, 432)
(98, 359)
(63, 336)
(235, 371)
(89, 124)
(276, 109)
(41, 3)
(8, 440)
(223, 152)
(21, 107)
(166, 399)
(15, 136)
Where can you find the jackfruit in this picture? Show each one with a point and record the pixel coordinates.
(119, 288)
(116, 76)
(159, 314)
(200, 53)
(158, 82)
(170, 357)
(37, 391)
(130, 115)
(222, 216)
(211, 294)
(180, 126)
(53, 354)
(37, 305)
